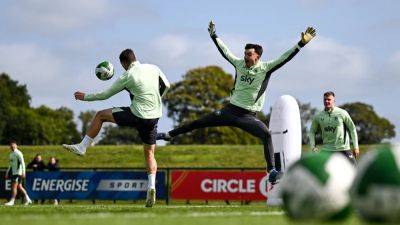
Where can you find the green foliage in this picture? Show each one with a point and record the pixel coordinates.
(86, 118)
(307, 113)
(200, 92)
(28, 125)
(370, 127)
(113, 135)
(121, 156)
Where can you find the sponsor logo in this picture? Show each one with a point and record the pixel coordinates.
(247, 79)
(60, 185)
(122, 185)
(330, 129)
(8, 185)
(228, 186)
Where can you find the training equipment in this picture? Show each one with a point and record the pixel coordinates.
(285, 129)
(105, 70)
(317, 187)
(376, 189)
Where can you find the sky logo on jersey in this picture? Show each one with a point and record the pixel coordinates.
(247, 79)
(122, 185)
(330, 129)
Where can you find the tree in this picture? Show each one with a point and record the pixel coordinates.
(28, 125)
(307, 113)
(113, 135)
(371, 128)
(200, 92)
(86, 119)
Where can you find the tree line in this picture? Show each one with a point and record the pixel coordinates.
(199, 92)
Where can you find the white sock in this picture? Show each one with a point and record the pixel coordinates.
(86, 142)
(12, 200)
(27, 197)
(152, 181)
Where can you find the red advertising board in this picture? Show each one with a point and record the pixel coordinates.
(218, 185)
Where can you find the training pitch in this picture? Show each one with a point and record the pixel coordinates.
(137, 214)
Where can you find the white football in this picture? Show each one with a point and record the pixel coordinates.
(376, 189)
(317, 187)
(105, 70)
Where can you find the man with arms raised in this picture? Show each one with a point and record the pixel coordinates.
(247, 95)
(335, 125)
(146, 85)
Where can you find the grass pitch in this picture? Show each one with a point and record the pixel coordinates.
(116, 214)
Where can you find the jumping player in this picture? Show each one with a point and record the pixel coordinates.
(146, 85)
(247, 95)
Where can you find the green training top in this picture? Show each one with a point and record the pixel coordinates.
(17, 164)
(146, 85)
(335, 126)
(250, 83)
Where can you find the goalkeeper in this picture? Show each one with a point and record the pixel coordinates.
(247, 95)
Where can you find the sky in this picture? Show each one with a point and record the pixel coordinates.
(53, 46)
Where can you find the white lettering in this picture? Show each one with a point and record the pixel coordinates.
(203, 186)
(230, 186)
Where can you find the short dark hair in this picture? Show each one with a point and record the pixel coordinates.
(329, 93)
(257, 48)
(12, 141)
(127, 56)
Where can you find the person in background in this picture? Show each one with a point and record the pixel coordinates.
(53, 166)
(16, 169)
(37, 164)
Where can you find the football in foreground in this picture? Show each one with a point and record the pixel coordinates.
(376, 189)
(317, 187)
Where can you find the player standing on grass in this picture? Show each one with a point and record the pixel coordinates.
(335, 124)
(146, 85)
(247, 95)
(17, 171)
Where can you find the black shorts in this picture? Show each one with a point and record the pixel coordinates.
(349, 155)
(147, 128)
(16, 179)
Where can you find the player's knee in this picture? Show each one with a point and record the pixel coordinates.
(101, 115)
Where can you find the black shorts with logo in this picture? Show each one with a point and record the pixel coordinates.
(147, 128)
(16, 179)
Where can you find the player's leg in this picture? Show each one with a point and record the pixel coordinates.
(147, 129)
(94, 129)
(23, 191)
(349, 155)
(151, 165)
(14, 186)
(254, 126)
(217, 118)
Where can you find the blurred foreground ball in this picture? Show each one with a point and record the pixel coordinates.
(317, 187)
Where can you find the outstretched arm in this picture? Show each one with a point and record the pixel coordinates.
(306, 37)
(222, 48)
(116, 87)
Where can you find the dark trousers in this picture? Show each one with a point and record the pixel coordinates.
(349, 155)
(234, 116)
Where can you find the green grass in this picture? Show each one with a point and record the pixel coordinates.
(138, 214)
(167, 156)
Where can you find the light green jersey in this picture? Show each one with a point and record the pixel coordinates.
(17, 164)
(146, 85)
(335, 126)
(250, 83)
